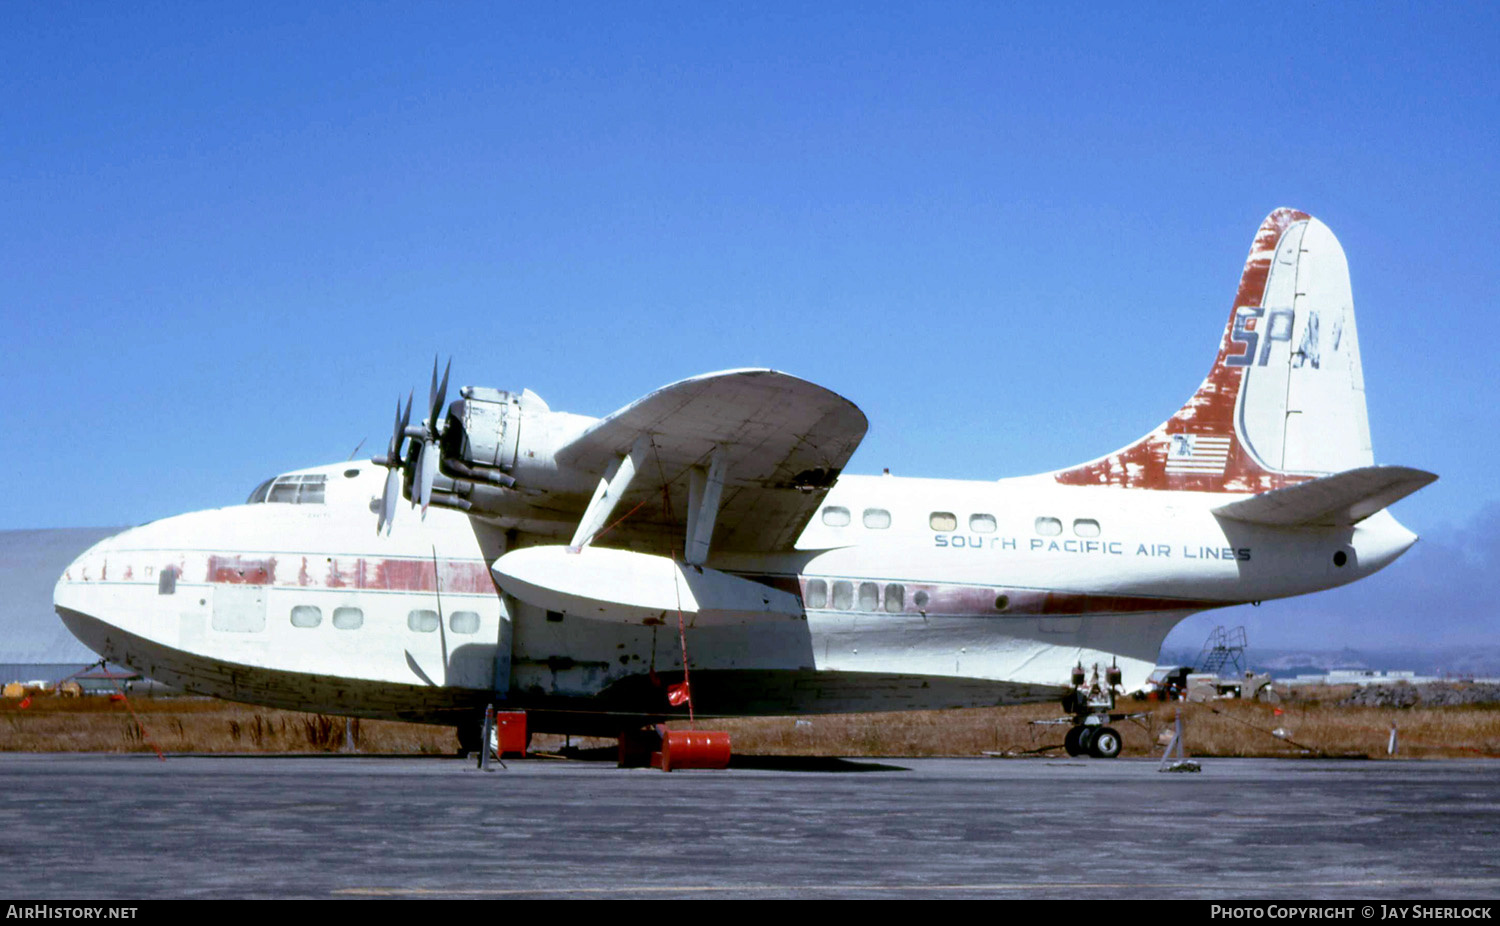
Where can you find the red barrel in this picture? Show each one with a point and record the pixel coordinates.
(694, 749)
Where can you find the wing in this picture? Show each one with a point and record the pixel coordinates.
(743, 458)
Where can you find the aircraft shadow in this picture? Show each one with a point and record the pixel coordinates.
(811, 764)
(757, 763)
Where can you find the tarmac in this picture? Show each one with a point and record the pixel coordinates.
(126, 827)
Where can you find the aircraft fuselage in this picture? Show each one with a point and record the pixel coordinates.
(917, 593)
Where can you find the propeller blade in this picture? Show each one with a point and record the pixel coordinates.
(392, 455)
(388, 501)
(438, 395)
(427, 465)
(393, 446)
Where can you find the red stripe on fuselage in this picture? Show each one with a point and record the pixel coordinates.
(239, 570)
(359, 573)
(988, 601)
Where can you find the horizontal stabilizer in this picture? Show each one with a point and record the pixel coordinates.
(1340, 500)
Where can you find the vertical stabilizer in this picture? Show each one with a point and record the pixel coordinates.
(1285, 400)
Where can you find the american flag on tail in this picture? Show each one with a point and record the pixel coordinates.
(1197, 454)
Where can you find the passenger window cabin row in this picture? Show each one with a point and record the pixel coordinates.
(306, 616)
(947, 521)
(418, 621)
(845, 597)
(871, 597)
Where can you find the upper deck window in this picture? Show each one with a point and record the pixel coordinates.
(835, 516)
(293, 490)
(1048, 527)
(877, 518)
(943, 521)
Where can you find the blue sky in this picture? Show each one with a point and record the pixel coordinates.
(231, 235)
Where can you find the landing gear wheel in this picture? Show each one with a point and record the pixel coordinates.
(1105, 743)
(1071, 742)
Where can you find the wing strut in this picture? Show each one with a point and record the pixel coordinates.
(612, 487)
(705, 486)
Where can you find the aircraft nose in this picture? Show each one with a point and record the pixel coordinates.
(86, 571)
(81, 595)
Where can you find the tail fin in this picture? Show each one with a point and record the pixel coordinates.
(1285, 400)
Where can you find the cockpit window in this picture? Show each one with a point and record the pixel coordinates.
(292, 490)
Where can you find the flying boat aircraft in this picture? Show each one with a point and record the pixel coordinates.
(575, 567)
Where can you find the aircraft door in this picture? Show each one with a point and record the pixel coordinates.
(239, 608)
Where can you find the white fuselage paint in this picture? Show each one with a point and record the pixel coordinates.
(985, 609)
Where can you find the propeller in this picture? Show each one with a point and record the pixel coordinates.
(427, 461)
(420, 459)
(392, 462)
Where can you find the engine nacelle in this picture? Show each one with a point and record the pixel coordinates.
(484, 428)
(498, 454)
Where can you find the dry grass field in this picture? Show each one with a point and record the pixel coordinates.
(96, 724)
(1223, 728)
(1314, 724)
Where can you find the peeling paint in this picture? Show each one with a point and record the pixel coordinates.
(1211, 410)
(359, 573)
(1308, 352)
(236, 570)
(419, 575)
